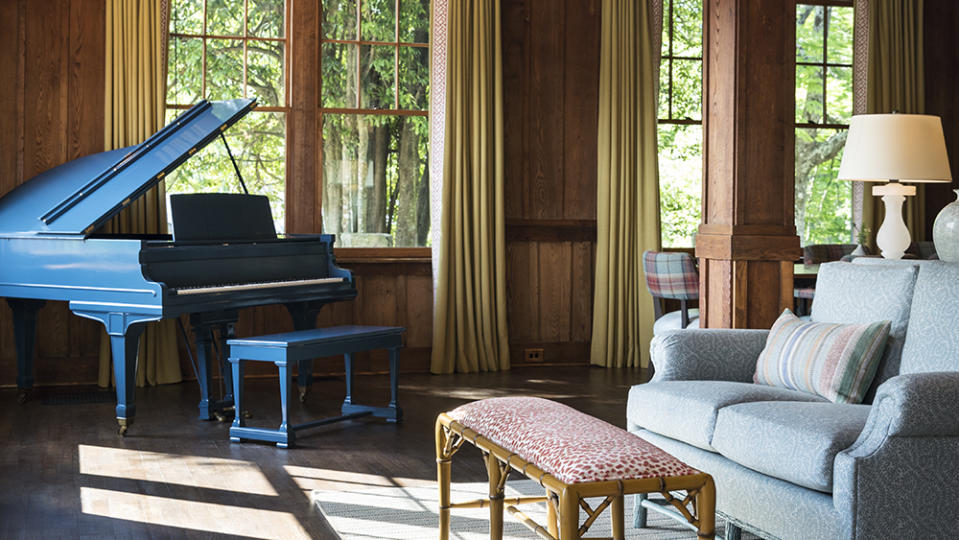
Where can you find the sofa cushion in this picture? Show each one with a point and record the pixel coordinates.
(686, 410)
(795, 442)
(932, 343)
(835, 361)
(865, 293)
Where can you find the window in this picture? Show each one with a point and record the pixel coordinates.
(824, 74)
(681, 122)
(375, 91)
(225, 49)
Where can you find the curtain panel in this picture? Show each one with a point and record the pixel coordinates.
(136, 44)
(628, 184)
(469, 318)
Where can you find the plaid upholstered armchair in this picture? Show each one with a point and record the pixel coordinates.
(672, 276)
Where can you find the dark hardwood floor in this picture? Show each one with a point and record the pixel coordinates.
(64, 473)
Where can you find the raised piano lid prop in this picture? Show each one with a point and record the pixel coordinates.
(51, 249)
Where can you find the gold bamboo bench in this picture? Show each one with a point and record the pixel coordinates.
(573, 456)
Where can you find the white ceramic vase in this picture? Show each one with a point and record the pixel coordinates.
(945, 232)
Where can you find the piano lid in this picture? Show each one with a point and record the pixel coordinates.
(80, 195)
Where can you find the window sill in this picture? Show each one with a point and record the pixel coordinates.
(383, 255)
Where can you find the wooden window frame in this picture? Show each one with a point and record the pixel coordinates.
(825, 64)
(364, 254)
(667, 60)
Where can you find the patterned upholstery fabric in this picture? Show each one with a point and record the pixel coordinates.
(823, 253)
(852, 293)
(671, 275)
(835, 361)
(712, 354)
(572, 446)
(687, 410)
(674, 321)
(796, 442)
(932, 343)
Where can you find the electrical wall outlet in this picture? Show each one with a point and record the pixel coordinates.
(534, 355)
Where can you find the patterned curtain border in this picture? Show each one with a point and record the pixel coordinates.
(438, 40)
(860, 72)
(656, 16)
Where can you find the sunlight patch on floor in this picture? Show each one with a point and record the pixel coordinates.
(198, 516)
(310, 478)
(479, 393)
(196, 471)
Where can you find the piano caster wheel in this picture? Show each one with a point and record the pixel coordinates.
(22, 397)
(122, 430)
(220, 416)
(304, 390)
(246, 414)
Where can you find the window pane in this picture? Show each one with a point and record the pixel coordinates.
(414, 78)
(258, 142)
(378, 20)
(186, 17)
(823, 203)
(809, 33)
(375, 182)
(840, 35)
(665, 43)
(839, 95)
(339, 19)
(414, 21)
(687, 89)
(664, 90)
(224, 68)
(688, 28)
(809, 94)
(224, 17)
(265, 18)
(184, 74)
(680, 183)
(378, 70)
(339, 75)
(264, 72)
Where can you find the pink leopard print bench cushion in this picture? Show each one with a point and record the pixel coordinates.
(572, 446)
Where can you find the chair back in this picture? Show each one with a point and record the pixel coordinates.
(671, 275)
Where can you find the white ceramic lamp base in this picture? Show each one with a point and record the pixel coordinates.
(893, 237)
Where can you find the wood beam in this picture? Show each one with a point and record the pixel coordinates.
(748, 240)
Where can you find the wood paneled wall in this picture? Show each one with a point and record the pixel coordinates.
(550, 81)
(942, 86)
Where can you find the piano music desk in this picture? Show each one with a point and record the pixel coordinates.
(289, 348)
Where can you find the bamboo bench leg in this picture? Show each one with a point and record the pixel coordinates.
(618, 515)
(569, 515)
(551, 514)
(443, 480)
(706, 508)
(496, 490)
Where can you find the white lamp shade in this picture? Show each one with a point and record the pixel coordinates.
(905, 147)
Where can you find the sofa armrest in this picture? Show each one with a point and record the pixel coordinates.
(900, 477)
(707, 355)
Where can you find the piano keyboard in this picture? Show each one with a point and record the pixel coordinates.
(262, 285)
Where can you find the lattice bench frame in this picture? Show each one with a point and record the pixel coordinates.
(563, 501)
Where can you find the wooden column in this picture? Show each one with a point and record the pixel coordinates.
(748, 241)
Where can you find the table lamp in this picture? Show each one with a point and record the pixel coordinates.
(895, 148)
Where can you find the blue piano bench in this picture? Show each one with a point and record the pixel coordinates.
(302, 346)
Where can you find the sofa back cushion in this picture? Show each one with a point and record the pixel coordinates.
(932, 343)
(835, 361)
(866, 293)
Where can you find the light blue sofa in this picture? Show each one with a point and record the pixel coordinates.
(792, 465)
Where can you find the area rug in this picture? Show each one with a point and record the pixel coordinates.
(409, 513)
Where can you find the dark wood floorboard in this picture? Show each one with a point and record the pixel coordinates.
(64, 473)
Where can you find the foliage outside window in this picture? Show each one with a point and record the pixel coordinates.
(824, 73)
(374, 106)
(680, 122)
(226, 49)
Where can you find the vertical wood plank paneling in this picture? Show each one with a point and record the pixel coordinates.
(45, 87)
(546, 106)
(419, 312)
(522, 280)
(515, 28)
(303, 196)
(581, 108)
(555, 274)
(581, 293)
(9, 93)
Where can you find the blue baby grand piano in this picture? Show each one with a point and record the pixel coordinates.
(50, 249)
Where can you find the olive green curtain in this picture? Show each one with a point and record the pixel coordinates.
(469, 318)
(896, 82)
(627, 213)
(136, 41)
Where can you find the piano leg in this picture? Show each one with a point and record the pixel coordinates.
(124, 348)
(25, 334)
(226, 371)
(304, 318)
(203, 326)
(204, 350)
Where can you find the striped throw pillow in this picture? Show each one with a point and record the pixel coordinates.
(835, 361)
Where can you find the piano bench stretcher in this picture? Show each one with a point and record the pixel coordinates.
(573, 456)
(290, 348)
